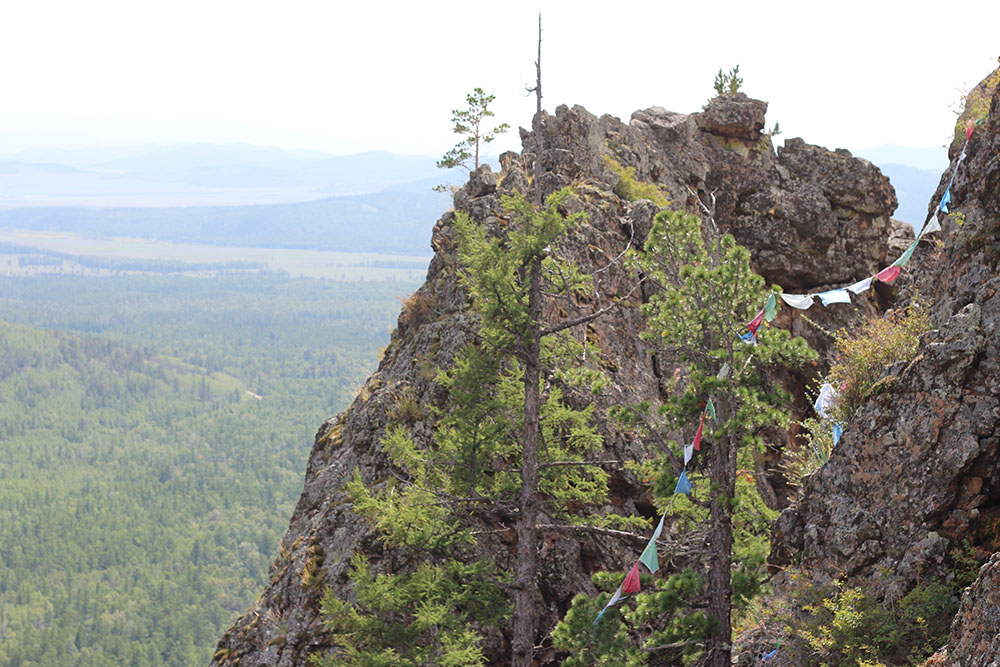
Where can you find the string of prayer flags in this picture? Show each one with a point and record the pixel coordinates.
(800, 301)
(834, 296)
(770, 308)
(889, 273)
(827, 396)
(631, 583)
(683, 484)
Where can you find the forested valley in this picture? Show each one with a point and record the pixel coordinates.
(153, 436)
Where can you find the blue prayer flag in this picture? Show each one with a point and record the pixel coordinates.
(946, 200)
(683, 485)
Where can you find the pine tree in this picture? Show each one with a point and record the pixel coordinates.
(707, 293)
(468, 123)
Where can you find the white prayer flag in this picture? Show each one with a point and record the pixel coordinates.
(800, 301)
(860, 286)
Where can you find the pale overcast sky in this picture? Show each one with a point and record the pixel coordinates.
(345, 77)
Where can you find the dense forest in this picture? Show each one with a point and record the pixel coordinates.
(153, 434)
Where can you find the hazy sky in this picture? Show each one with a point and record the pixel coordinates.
(345, 77)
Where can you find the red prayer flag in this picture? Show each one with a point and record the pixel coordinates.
(888, 274)
(697, 435)
(756, 322)
(969, 128)
(631, 583)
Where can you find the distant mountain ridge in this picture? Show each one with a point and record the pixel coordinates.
(386, 222)
(913, 172)
(203, 174)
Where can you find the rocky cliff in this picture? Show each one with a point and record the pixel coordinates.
(810, 216)
(917, 471)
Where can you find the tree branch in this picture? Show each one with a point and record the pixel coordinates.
(566, 324)
(611, 532)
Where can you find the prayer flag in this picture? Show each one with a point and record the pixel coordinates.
(905, 257)
(860, 286)
(889, 273)
(749, 337)
(710, 409)
(969, 128)
(824, 402)
(659, 527)
(755, 323)
(946, 200)
(932, 226)
(683, 485)
(834, 296)
(612, 602)
(688, 453)
(838, 430)
(697, 435)
(800, 301)
(724, 371)
(649, 557)
(770, 308)
(631, 583)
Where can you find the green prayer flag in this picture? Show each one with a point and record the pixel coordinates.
(649, 557)
(770, 308)
(905, 257)
(710, 409)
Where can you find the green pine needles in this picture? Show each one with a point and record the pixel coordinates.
(507, 414)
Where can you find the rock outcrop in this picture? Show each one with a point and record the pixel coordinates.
(811, 217)
(975, 635)
(917, 471)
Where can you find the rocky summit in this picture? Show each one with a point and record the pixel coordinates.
(812, 218)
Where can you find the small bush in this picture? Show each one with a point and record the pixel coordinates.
(811, 451)
(632, 189)
(862, 355)
(728, 83)
(418, 309)
(851, 627)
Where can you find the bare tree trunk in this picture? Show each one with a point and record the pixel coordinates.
(523, 643)
(536, 122)
(720, 593)
(527, 520)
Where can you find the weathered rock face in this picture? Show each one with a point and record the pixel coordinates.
(975, 634)
(781, 206)
(918, 468)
